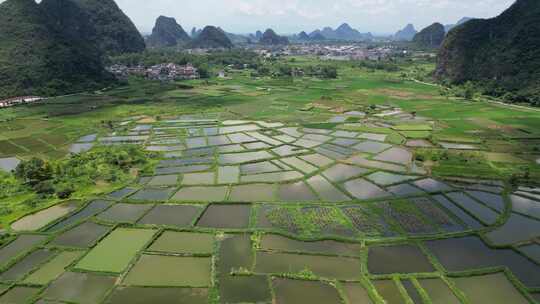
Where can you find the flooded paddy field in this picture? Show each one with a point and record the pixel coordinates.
(256, 212)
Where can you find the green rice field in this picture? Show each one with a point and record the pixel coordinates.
(364, 189)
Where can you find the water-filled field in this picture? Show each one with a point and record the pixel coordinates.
(259, 212)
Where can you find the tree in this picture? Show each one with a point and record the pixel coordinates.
(285, 70)
(329, 72)
(204, 71)
(34, 171)
(469, 91)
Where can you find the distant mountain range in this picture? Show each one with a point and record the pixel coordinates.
(269, 37)
(343, 33)
(406, 34)
(168, 33)
(409, 31)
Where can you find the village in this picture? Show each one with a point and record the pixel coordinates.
(332, 52)
(10, 102)
(162, 72)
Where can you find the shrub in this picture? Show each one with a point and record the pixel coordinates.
(45, 187)
(64, 190)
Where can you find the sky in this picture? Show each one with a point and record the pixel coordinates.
(293, 16)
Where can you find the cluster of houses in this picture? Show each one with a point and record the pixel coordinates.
(19, 100)
(162, 72)
(331, 52)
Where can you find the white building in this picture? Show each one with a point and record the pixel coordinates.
(19, 100)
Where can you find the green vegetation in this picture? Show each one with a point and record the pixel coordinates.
(116, 251)
(430, 37)
(477, 164)
(167, 33)
(109, 165)
(499, 55)
(212, 37)
(359, 182)
(37, 183)
(38, 58)
(57, 47)
(113, 31)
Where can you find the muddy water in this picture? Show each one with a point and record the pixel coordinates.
(482, 212)
(294, 291)
(226, 216)
(88, 211)
(40, 219)
(144, 295)
(397, 259)
(517, 228)
(82, 236)
(19, 246)
(324, 266)
(252, 193)
(233, 289)
(245, 157)
(235, 252)
(53, 268)
(341, 172)
(356, 293)
(386, 179)
(27, 264)
(124, 213)
(152, 194)
(276, 242)
(19, 295)
(155, 270)
(493, 289)
(438, 291)
(171, 215)
(298, 192)
(201, 194)
(184, 242)
(362, 189)
(326, 191)
(389, 291)
(83, 288)
(470, 253)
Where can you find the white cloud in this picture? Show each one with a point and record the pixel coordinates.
(288, 16)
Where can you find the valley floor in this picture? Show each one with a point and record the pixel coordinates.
(363, 189)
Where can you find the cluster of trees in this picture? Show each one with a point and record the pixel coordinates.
(530, 95)
(9, 186)
(470, 90)
(64, 177)
(387, 66)
(321, 71)
(466, 91)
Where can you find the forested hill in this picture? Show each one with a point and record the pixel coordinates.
(167, 33)
(430, 37)
(212, 37)
(501, 55)
(115, 32)
(38, 55)
(57, 46)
